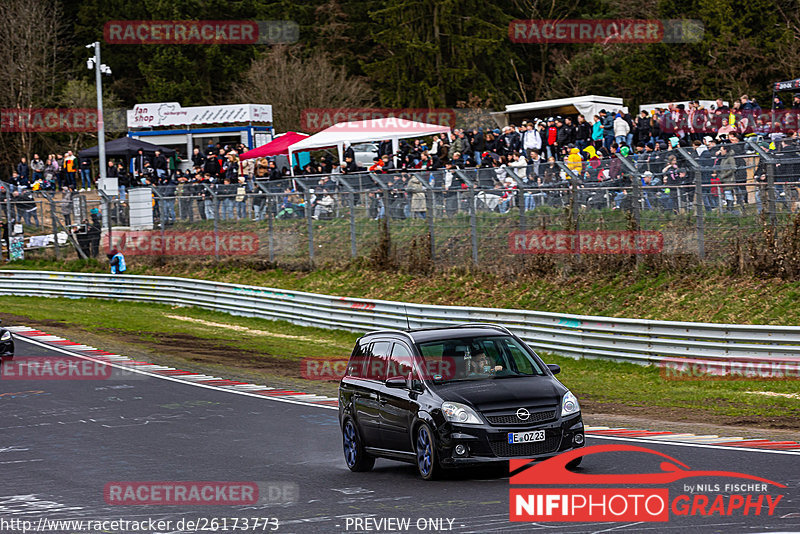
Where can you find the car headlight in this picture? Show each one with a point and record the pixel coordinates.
(456, 412)
(6, 336)
(569, 404)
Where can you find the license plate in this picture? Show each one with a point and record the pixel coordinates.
(526, 437)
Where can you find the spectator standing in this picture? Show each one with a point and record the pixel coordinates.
(597, 132)
(160, 165)
(37, 168)
(642, 128)
(726, 173)
(563, 136)
(71, 169)
(417, 190)
(23, 171)
(531, 139)
(621, 130)
(551, 139)
(583, 133)
(242, 189)
(85, 170)
(478, 143)
(197, 158)
(608, 128)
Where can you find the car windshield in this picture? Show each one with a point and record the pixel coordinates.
(477, 358)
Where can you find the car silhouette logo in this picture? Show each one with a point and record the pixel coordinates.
(554, 470)
(523, 414)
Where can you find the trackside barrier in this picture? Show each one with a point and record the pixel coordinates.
(579, 336)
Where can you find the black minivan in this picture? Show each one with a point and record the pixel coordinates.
(452, 396)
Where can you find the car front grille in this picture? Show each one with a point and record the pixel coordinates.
(512, 419)
(505, 449)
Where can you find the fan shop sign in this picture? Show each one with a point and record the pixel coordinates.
(145, 243)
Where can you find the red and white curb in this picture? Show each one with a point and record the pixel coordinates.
(297, 397)
(163, 371)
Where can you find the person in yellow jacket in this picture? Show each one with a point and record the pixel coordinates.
(574, 161)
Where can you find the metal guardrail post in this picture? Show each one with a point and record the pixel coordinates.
(310, 225)
(351, 202)
(521, 203)
(473, 225)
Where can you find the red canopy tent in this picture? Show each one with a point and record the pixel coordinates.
(279, 145)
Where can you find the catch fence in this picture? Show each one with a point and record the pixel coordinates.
(707, 206)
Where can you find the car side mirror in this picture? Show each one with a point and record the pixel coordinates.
(396, 382)
(554, 368)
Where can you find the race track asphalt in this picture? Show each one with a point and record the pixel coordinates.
(62, 441)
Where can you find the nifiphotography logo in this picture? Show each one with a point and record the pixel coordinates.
(627, 501)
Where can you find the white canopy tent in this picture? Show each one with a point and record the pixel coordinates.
(588, 106)
(347, 133)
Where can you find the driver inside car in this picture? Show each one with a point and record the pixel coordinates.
(480, 365)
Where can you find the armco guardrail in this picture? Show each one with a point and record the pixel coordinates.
(636, 340)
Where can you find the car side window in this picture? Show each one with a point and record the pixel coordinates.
(520, 360)
(377, 361)
(401, 362)
(355, 367)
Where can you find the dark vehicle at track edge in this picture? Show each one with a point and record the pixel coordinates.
(453, 396)
(6, 343)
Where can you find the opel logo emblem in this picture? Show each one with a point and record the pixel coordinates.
(523, 414)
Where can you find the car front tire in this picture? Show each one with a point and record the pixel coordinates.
(425, 447)
(354, 455)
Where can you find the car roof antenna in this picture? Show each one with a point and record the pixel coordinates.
(408, 324)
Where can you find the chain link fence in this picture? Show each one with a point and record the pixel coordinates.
(731, 204)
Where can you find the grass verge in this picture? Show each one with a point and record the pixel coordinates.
(272, 351)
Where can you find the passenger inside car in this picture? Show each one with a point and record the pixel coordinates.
(480, 365)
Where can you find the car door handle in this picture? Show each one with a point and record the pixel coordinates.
(383, 401)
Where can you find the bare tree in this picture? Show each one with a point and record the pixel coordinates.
(29, 40)
(291, 84)
(80, 94)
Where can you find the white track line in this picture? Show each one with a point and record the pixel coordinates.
(171, 379)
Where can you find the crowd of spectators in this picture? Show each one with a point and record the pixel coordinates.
(525, 156)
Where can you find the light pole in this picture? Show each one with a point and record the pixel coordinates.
(102, 184)
(101, 130)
